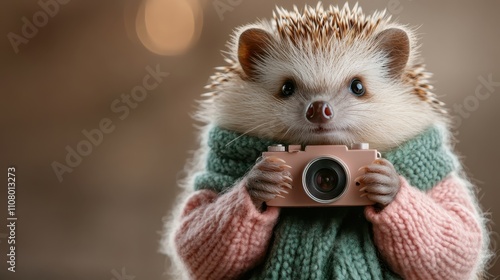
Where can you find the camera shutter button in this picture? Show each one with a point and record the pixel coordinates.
(276, 148)
(360, 146)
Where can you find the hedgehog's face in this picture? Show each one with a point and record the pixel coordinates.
(346, 92)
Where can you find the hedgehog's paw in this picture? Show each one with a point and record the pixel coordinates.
(380, 183)
(268, 179)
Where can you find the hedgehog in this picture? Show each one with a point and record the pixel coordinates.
(321, 76)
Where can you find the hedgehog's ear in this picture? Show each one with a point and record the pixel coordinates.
(396, 44)
(252, 46)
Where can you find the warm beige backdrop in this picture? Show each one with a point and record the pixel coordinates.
(106, 214)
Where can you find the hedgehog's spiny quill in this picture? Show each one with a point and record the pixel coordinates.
(319, 26)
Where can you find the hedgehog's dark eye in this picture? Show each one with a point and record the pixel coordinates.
(288, 88)
(357, 87)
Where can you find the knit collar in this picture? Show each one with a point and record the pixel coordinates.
(423, 160)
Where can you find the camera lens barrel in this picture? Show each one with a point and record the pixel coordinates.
(325, 179)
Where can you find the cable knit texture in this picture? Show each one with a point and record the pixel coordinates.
(430, 231)
(429, 236)
(222, 237)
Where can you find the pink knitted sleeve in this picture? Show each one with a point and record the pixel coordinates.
(434, 235)
(222, 236)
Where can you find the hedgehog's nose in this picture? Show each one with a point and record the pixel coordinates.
(319, 112)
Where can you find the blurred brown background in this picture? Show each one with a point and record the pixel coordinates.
(102, 221)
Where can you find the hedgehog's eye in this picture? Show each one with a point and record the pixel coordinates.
(288, 88)
(357, 87)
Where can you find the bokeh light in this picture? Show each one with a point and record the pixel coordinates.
(169, 27)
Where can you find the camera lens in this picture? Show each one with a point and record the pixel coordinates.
(325, 179)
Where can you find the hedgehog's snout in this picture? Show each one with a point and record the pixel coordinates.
(319, 112)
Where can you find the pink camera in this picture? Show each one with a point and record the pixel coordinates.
(323, 175)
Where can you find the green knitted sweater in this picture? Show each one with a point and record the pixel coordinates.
(323, 242)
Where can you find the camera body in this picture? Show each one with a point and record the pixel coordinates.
(323, 175)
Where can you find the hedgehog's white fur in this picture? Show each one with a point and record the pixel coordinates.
(306, 49)
(324, 64)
